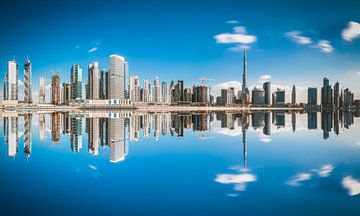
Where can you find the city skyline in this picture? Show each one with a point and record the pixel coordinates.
(299, 56)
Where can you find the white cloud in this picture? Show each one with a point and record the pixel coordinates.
(20, 83)
(357, 73)
(216, 89)
(296, 180)
(352, 185)
(239, 37)
(325, 46)
(298, 38)
(351, 32)
(265, 78)
(325, 170)
(235, 178)
(232, 22)
(92, 49)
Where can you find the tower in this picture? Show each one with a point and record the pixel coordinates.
(76, 82)
(27, 82)
(93, 81)
(245, 93)
(293, 95)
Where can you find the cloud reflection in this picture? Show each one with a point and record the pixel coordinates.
(352, 185)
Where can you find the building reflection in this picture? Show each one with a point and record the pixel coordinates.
(113, 130)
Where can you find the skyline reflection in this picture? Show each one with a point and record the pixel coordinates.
(114, 130)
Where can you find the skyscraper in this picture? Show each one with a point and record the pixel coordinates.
(93, 81)
(66, 93)
(279, 97)
(164, 94)
(258, 96)
(76, 82)
(267, 89)
(179, 91)
(230, 96)
(146, 91)
(172, 92)
(156, 91)
(312, 97)
(118, 67)
(336, 95)
(104, 84)
(42, 90)
(12, 80)
(200, 94)
(27, 82)
(244, 90)
(326, 94)
(293, 95)
(55, 89)
(135, 89)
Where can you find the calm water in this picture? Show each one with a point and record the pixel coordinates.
(180, 164)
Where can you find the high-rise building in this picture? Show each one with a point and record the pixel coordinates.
(164, 94)
(93, 81)
(12, 80)
(135, 89)
(200, 94)
(6, 87)
(223, 97)
(337, 95)
(312, 97)
(156, 91)
(172, 92)
(42, 90)
(104, 84)
(244, 88)
(267, 89)
(187, 95)
(55, 89)
(279, 97)
(258, 96)
(76, 82)
(27, 82)
(179, 91)
(230, 96)
(118, 67)
(66, 92)
(293, 95)
(326, 94)
(348, 98)
(146, 91)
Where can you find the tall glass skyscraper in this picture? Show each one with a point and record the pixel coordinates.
(27, 82)
(12, 80)
(76, 82)
(118, 67)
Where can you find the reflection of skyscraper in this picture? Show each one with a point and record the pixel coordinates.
(146, 125)
(27, 134)
(12, 135)
(104, 132)
(336, 121)
(164, 118)
(93, 135)
(312, 120)
(179, 124)
(134, 127)
(348, 119)
(267, 127)
(41, 126)
(55, 127)
(156, 124)
(117, 139)
(245, 125)
(200, 122)
(76, 134)
(66, 124)
(326, 123)
(279, 119)
(258, 119)
(293, 121)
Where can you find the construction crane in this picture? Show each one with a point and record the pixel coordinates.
(203, 79)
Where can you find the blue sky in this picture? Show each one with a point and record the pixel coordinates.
(294, 42)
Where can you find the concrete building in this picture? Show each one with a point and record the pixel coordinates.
(156, 91)
(164, 93)
(42, 90)
(230, 96)
(12, 80)
(146, 92)
(135, 89)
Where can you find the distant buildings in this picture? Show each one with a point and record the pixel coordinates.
(135, 89)
(312, 97)
(164, 93)
(279, 97)
(156, 91)
(326, 94)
